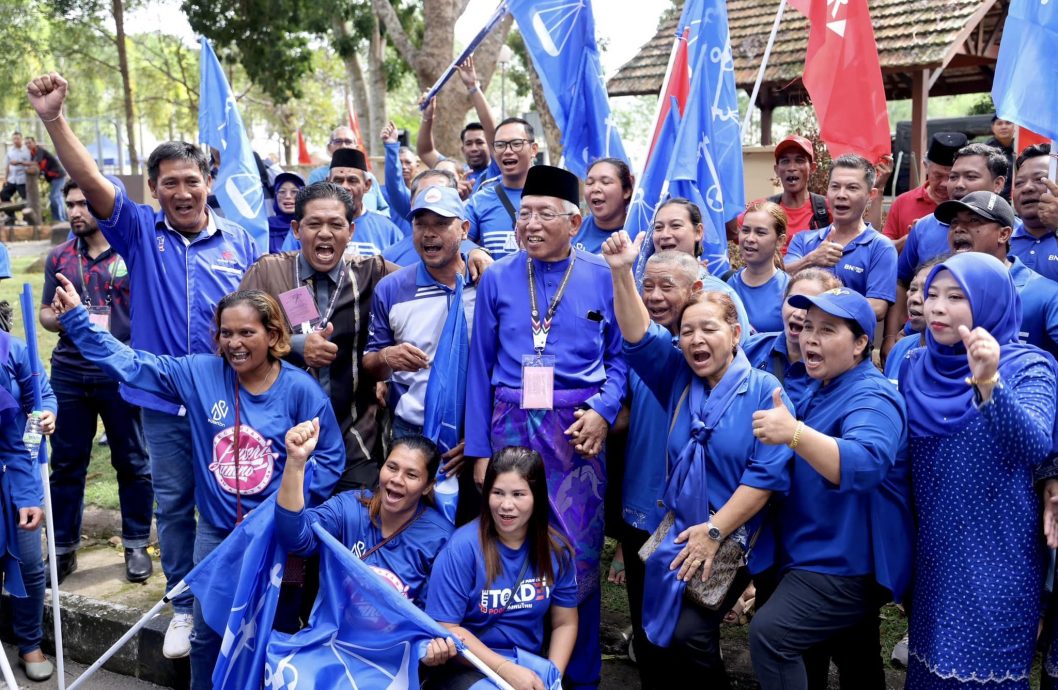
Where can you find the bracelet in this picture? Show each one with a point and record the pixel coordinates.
(505, 661)
(385, 358)
(57, 117)
(972, 381)
(796, 435)
(473, 90)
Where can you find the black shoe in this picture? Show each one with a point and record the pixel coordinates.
(138, 565)
(67, 563)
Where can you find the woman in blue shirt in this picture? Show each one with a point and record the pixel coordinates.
(916, 321)
(982, 416)
(780, 353)
(500, 576)
(396, 529)
(761, 283)
(607, 189)
(240, 405)
(841, 544)
(719, 475)
(21, 498)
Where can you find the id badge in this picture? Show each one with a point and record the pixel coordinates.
(99, 316)
(300, 307)
(538, 382)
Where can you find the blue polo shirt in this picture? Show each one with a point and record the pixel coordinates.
(478, 177)
(767, 351)
(1039, 307)
(645, 461)
(764, 302)
(409, 306)
(491, 225)
(927, 239)
(174, 283)
(1039, 254)
(372, 235)
(867, 265)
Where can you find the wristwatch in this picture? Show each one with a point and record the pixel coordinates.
(714, 532)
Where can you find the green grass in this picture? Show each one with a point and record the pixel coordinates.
(102, 487)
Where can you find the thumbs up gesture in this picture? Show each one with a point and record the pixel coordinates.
(776, 425)
(319, 350)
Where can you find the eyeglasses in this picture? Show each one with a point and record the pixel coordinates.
(343, 142)
(515, 145)
(545, 216)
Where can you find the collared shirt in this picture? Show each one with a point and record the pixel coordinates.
(767, 351)
(763, 303)
(906, 209)
(175, 284)
(411, 306)
(491, 224)
(105, 283)
(478, 177)
(17, 173)
(901, 351)
(1038, 253)
(645, 458)
(584, 337)
(867, 264)
(928, 238)
(1039, 306)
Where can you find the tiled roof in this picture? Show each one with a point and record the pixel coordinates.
(911, 35)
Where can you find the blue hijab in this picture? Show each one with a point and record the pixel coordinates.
(279, 224)
(939, 401)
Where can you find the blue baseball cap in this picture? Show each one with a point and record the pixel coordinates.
(843, 303)
(444, 201)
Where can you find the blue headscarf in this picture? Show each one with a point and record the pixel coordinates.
(279, 224)
(939, 401)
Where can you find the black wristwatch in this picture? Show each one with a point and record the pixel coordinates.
(714, 532)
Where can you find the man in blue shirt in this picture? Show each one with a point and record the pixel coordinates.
(493, 209)
(863, 258)
(344, 138)
(1034, 243)
(976, 168)
(983, 222)
(182, 260)
(546, 372)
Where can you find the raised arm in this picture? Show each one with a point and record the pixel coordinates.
(621, 253)
(47, 95)
(424, 145)
(469, 77)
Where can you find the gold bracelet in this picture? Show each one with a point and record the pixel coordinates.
(796, 435)
(385, 359)
(972, 381)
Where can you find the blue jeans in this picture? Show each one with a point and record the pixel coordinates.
(27, 613)
(205, 642)
(81, 400)
(55, 200)
(402, 428)
(169, 443)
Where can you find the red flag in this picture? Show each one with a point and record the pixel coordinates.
(844, 78)
(1027, 138)
(678, 85)
(303, 150)
(354, 124)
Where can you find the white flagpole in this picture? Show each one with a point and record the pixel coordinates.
(1052, 162)
(489, 673)
(177, 589)
(5, 668)
(53, 568)
(763, 66)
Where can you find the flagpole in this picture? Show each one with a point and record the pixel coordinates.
(499, 13)
(5, 667)
(1052, 162)
(30, 325)
(763, 67)
(489, 673)
(177, 589)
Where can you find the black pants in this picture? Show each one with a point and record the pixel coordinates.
(8, 191)
(806, 619)
(632, 540)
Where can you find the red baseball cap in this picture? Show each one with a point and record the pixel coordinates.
(797, 142)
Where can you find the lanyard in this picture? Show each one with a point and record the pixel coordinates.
(235, 443)
(542, 328)
(324, 318)
(84, 283)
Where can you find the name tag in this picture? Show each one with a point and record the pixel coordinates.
(299, 306)
(538, 382)
(99, 316)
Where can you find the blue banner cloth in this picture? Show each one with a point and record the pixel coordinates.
(1026, 60)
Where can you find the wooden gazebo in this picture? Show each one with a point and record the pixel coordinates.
(926, 48)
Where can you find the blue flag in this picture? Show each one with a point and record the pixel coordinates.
(446, 394)
(707, 165)
(1026, 62)
(361, 628)
(238, 184)
(651, 189)
(560, 38)
(237, 585)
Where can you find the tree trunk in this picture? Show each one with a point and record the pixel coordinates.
(118, 8)
(376, 74)
(552, 135)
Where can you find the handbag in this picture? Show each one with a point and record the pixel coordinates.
(729, 557)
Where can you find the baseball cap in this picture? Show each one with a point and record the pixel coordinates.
(798, 143)
(843, 303)
(444, 201)
(988, 205)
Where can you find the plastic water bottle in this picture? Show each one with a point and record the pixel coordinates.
(33, 436)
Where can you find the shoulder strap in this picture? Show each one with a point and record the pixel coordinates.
(505, 200)
(396, 533)
(775, 198)
(820, 214)
(778, 363)
(728, 273)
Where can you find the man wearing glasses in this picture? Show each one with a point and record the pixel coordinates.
(343, 138)
(493, 209)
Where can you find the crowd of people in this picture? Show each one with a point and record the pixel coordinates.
(459, 374)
